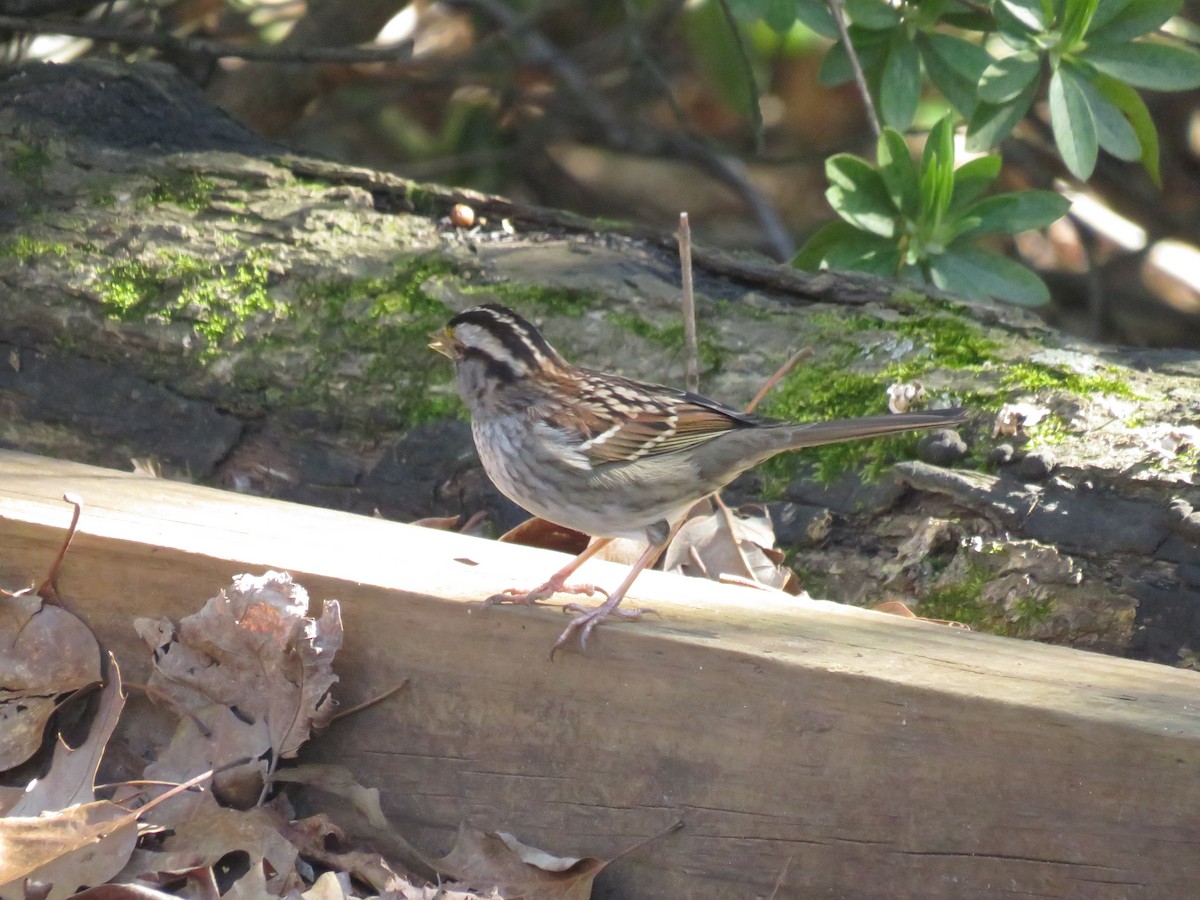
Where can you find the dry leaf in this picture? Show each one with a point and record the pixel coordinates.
(58, 833)
(318, 839)
(212, 833)
(47, 652)
(738, 543)
(537, 532)
(338, 780)
(255, 671)
(494, 859)
(81, 845)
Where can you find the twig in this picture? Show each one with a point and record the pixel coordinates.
(49, 589)
(837, 9)
(204, 46)
(803, 353)
(754, 104)
(369, 703)
(727, 513)
(689, 305)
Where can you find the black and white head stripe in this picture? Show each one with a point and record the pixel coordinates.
(503, 337)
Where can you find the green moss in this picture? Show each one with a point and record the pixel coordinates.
(26, 248)
(1033, 377)
(524, 296)
(961, 602)
(672, 339)
(386, 322)
(217, 300)
(29, 163)
(958, 602)
(187, 190)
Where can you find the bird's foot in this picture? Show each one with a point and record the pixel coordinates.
(540, 593)
(589, 618)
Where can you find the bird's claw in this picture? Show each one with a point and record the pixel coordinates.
(538, 594)
(588, 620)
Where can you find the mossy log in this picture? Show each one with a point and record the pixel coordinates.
(178, 292)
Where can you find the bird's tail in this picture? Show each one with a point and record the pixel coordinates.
(815, 434)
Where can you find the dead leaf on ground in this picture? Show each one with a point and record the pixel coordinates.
(254, 671)
(498, 860)
(537, 532)
(205, 837)
(728, 542)
(47, 652)
(58, 833)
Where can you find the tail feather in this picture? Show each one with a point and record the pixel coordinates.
(817, 433)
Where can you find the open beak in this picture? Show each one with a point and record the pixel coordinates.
(443, 342)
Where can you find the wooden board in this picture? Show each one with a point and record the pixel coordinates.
(869, 755)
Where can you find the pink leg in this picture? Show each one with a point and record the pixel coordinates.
(557, 583)
(593, 617)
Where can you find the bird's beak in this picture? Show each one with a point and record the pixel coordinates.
(444, 343)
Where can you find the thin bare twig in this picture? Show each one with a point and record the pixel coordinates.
(204, 46)
(366, 704)
(838, 10)
(804, 353)
(689, 305)
(49, 589)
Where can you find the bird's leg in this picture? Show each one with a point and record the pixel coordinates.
(590, 618)
(557, 583)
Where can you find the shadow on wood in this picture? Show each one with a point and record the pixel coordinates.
(873, 756)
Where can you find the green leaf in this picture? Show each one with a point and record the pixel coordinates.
(1134, 20)
(957, 89)
(1114, 133)
(714, 45)
(1031, 14)
(780, 15)
(1072, 123)
(929, 11)
(1077, 16)
(974, 273)
(858, 195)
(900, 86)
(1128, 101)
(968, 60)
(1159, 67)
(836, 68)
(816, 15)
(937, 172)
(865, 253)
(992, 122)
(1006, 78)
(1107, 10)
(899, 173)
(1016, 212)
(874, 15)
(971, 180)
(839, 245)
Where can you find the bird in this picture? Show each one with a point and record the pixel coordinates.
(609, 456)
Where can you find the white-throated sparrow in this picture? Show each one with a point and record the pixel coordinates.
(610, 456)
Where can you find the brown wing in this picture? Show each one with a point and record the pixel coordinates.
(620, 419)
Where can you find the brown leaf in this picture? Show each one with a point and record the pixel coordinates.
(537, 532)
(494, 859)
(212, 833)
(254, 650)
(317, 839)
(45, 652)
(57, 833)
(738, 543)
(81, 845)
